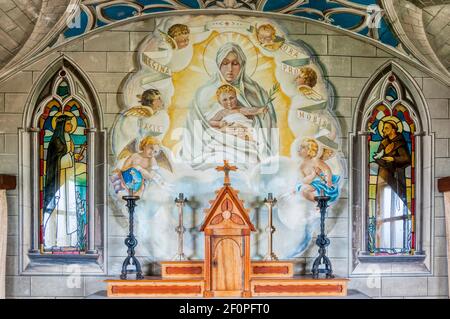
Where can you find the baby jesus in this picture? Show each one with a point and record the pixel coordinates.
(234, 119)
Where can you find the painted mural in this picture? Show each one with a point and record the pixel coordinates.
(216, 88)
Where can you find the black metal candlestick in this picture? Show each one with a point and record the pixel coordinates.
(322, 241)
(131, 242)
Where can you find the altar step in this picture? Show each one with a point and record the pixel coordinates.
(155, 287)
(267, 278)
(260, 287)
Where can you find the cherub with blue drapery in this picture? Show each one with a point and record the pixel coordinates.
(141, 166)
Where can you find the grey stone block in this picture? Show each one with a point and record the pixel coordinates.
(2, 102)
(9, 123)
(95, 284)
(67, 286)
(12, 246)
(411, 69)
(313, 28)
(434, 89)
(109, 120)
(136, 39)
(345, 45)
(121, 62)
(2, 143)
(43, 62)
(9, 164)
(11, 144)
(438, 108)
(370, 286)
(116, 246)
(441, 146)
(113, 103)
(404, 286)
(90, 61)
(345, 123)
(292, 27)
(441, 127)
(343, 107)
(7, 5)
(440, 246)
(108, 41)
(346, 86)
(17, 286)
(316, 42)
(382, 53)
(337, 227)
(339, 209)
(12, 265)
(336, 65)
(13, 205)
(75, 46)
(442, 167)
(18, 83)
(439, 207)
(107, 82)
(438, 286)
(439, 226)
(145, 25)
(365, 67)
(13, 225)
(117, 225)
(440, 266)
(15, 102)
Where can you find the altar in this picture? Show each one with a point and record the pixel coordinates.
(227, 270)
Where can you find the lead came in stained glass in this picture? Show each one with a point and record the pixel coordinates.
(391, 180)
(63, 172)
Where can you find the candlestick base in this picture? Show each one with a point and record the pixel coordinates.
(180, 257)
(271, 257)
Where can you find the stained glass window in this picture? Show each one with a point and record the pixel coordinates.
(391, 184)
(63, 172)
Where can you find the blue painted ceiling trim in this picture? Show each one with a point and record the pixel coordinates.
(351, 15)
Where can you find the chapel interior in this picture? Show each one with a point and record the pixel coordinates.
(215, 149)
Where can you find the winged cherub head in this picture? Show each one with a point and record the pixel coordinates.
(180, 34)
(152, 98)
(150, 146)
(307, 76)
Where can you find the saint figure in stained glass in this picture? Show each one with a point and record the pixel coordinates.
(393, 156)
(391, 181)
(63, 174)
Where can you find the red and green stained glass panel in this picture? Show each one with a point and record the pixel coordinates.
(391, 184)
(63, 174)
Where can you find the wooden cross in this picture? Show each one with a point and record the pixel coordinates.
(226, 168)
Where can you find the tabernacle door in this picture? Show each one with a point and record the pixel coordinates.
(227, 266)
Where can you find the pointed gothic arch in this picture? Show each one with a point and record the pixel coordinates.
(62, 152)
(391, 176)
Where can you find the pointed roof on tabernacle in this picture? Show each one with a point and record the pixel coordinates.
(227, 205)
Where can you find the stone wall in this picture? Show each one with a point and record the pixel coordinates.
(107, 58)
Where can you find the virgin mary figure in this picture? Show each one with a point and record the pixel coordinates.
(205, 146)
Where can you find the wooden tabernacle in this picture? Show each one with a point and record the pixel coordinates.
(227, 270)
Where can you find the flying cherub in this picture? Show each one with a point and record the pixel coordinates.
(147, 159)
(306, 80)
(177, 36)
(266, 34)
(151, 103)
